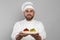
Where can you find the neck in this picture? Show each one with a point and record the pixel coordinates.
(28, 20)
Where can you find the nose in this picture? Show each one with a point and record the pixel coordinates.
(28, 12)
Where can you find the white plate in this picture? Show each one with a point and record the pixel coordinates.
(30, 32)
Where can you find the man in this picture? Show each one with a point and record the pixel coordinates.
(29, 23)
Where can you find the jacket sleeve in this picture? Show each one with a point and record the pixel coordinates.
(15, 31)
(42, 32)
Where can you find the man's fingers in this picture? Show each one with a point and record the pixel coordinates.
(37, 33)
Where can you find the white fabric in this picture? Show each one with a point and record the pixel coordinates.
(27, 5)
(21, 25)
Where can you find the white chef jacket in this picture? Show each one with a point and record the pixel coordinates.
(21, 25)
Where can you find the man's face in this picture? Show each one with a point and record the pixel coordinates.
(29, 13)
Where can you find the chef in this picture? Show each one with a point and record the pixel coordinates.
(28, 23)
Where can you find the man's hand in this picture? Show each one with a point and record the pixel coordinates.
(36, 36)
(20, 35)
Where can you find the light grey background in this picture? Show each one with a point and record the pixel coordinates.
(47, 11)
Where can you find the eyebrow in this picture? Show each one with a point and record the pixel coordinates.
(27, 10)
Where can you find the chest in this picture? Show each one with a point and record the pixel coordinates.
(29, 26)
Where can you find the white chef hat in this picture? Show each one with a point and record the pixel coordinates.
(27, 5)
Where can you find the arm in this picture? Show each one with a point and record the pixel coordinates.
(17, 34)
(15, 31)
(36, 36)
(42, 32)
(20, 36)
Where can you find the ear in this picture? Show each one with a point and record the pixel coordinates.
(23, 13)
(34, 13)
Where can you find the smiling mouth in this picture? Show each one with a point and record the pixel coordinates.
(29, 15)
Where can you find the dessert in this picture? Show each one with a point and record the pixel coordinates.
(26, 30)
(32, 30)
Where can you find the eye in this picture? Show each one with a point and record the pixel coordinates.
(27, 11)
(31, 10)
